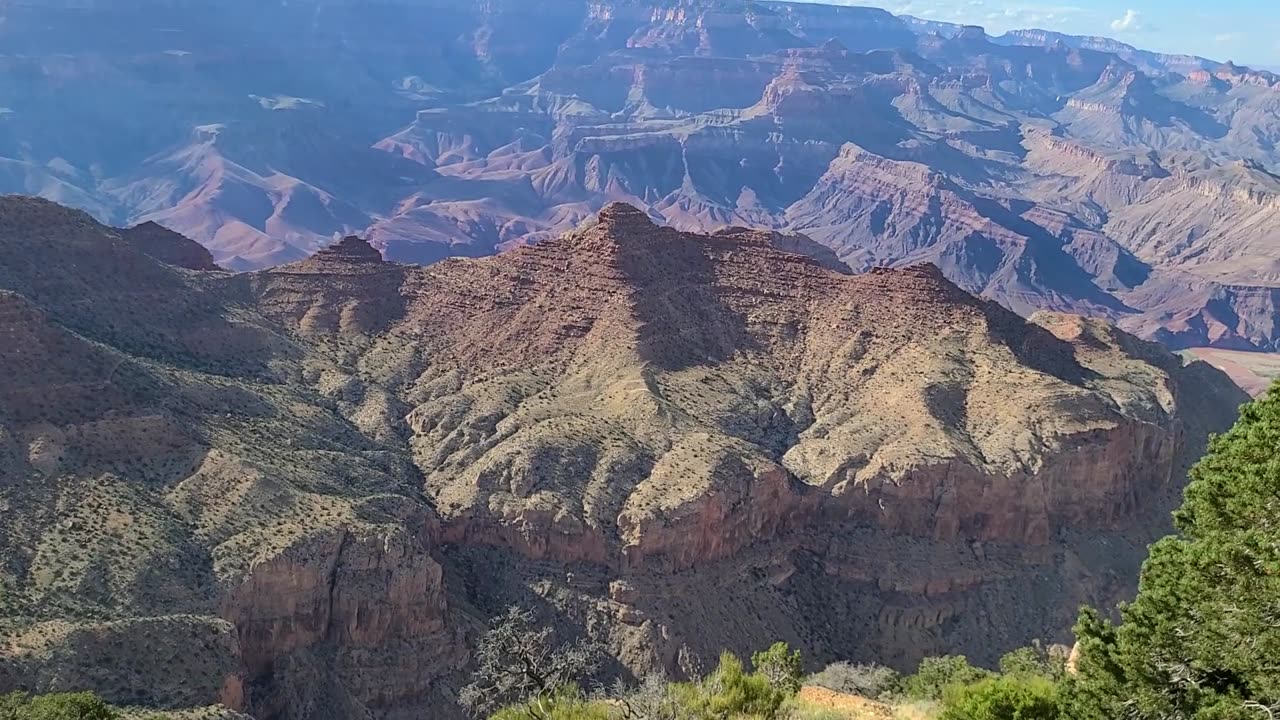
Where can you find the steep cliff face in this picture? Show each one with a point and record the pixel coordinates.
(365, 610)
(672, 442)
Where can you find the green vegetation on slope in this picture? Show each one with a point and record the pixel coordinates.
(1008, 697)
(1202, 638)
(1200, 642)
(730, 691)
(63, 706)
(943, 688)
(936, 674)
(88, 706)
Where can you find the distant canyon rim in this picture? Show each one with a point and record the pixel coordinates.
(1043, 171)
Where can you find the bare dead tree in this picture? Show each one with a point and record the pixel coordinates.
(650, 700)
(1268, 710)
(517, 661)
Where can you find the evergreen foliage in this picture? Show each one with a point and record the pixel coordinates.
(730, 691)
(1035, 660)
(1202, 639)
(936, 674)
(1008, 697)
(781, 666)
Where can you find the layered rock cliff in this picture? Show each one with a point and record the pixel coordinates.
(297, 492)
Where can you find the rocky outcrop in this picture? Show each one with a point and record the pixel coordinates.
(345, 288)
(1200, 314)
(369, 609)
(169, 247)
(747, 507)
(1134, 166)
(733, 470)
(1258, 195)
(1237, 75)
(348, 251)
(789, 242)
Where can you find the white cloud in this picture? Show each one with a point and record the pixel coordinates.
(1032, 15)
(1131, 22)
(997, 16)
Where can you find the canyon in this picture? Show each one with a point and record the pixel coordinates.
(1040, 170)
(300, 492)
(330, 329)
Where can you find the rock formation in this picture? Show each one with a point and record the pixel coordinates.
(296, 493)
(1041, 170)
(169, 247)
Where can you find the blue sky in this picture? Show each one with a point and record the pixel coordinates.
(1246, 31)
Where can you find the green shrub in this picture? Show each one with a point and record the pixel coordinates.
(61, 706)
(936, 674)
(869, 681)
(782, 667)
(1035, 660)
(730, 692)
(11, 704)
(567, 704)
(735, 692)
(1011, 697)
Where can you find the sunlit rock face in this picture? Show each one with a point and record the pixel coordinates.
(294, 492)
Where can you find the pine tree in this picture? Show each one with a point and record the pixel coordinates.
(1202, 638)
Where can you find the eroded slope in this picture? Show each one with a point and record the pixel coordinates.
(323, 476)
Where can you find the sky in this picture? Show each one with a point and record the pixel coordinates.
(1246, 31)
